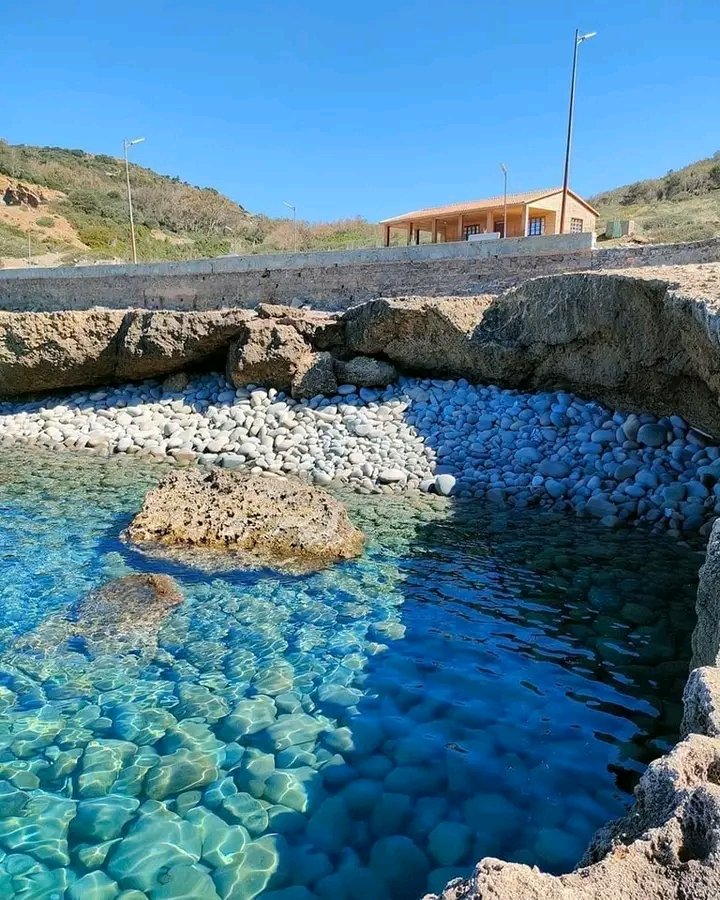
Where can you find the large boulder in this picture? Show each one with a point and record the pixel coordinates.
(315, 374)
(706, 634)
(364, 371)
(269, 353)
(321, 329)
(276, 354)
(46, 351)
(273, 521)
(154, 344)
(418, 334)
(123, 616)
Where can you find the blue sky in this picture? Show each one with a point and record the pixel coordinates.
(368, 108)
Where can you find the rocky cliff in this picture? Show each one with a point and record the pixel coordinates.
(640, 339)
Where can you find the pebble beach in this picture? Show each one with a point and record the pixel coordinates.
(549, 449)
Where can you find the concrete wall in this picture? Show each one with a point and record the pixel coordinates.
(333, 280)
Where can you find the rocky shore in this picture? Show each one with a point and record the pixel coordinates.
(548, 449)
(491, 405)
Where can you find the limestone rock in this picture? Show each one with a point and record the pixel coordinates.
(364, 371)
(419, 334)
(267, 353)
(701, 702)
(274, 521)
(47, 351)
(314, 375)
(706, 634)
(321, 329)
(155, 343)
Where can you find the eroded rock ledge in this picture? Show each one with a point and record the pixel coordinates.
(643, 339)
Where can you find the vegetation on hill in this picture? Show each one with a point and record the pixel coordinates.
(83, 215)
(683, 205)
(86, 194)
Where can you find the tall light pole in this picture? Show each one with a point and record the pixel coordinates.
(294, 212)
(504, 170)
(126, 146)
(579, 38)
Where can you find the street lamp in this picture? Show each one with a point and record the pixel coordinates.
(294, 212)
(579, 38)
(504, 170)
(126, 146)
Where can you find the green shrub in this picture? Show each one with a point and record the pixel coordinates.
(45, 221)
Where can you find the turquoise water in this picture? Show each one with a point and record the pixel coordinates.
(480, 683)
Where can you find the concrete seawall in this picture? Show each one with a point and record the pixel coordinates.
(330, 280)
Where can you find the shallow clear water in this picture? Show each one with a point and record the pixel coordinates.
(480, 683)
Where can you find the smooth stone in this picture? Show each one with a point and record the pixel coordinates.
(103, 818)
(400, 864)
(449, 842)
(651, 435)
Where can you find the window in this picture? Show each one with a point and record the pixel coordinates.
(576, 226)
(473, 229)
(536, 225)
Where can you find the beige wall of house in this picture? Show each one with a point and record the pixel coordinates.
(573, 210)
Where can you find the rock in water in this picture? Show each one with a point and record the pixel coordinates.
(124, 615)
(274, 521)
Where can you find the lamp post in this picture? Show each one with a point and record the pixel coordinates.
(504, 170)
(579, 39)
(126, 146)
(294, 212)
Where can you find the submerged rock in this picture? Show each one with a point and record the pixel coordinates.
(665, 848)
(274, 521)
(123, 616)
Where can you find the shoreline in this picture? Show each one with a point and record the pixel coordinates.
(525, 449)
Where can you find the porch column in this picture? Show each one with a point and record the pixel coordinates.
(489, 224)
(417, 236)
(434, 231)
(461, 227)
(525, 218)
(387, 236)
(409, 233)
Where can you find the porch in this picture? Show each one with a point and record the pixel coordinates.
(483, 224)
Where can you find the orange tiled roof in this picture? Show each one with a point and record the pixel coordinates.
(472, 205)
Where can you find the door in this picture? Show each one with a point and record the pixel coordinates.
(499, 226)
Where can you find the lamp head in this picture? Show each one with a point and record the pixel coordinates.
(586, 37)
(503, 168)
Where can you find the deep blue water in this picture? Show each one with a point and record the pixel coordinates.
(480, 683)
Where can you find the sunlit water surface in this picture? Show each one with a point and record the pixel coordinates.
(479, 683)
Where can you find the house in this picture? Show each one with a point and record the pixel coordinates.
(531, 213)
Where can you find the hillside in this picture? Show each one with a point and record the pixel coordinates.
(683, 205)
(68, 206)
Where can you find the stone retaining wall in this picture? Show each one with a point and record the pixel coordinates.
(333, 280)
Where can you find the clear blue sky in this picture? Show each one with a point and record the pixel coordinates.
(368, 108)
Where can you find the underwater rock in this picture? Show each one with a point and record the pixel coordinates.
(102, 819)
(156, 841)
(41, 830)
(122, 616)
(274, 521)
(666, 847)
